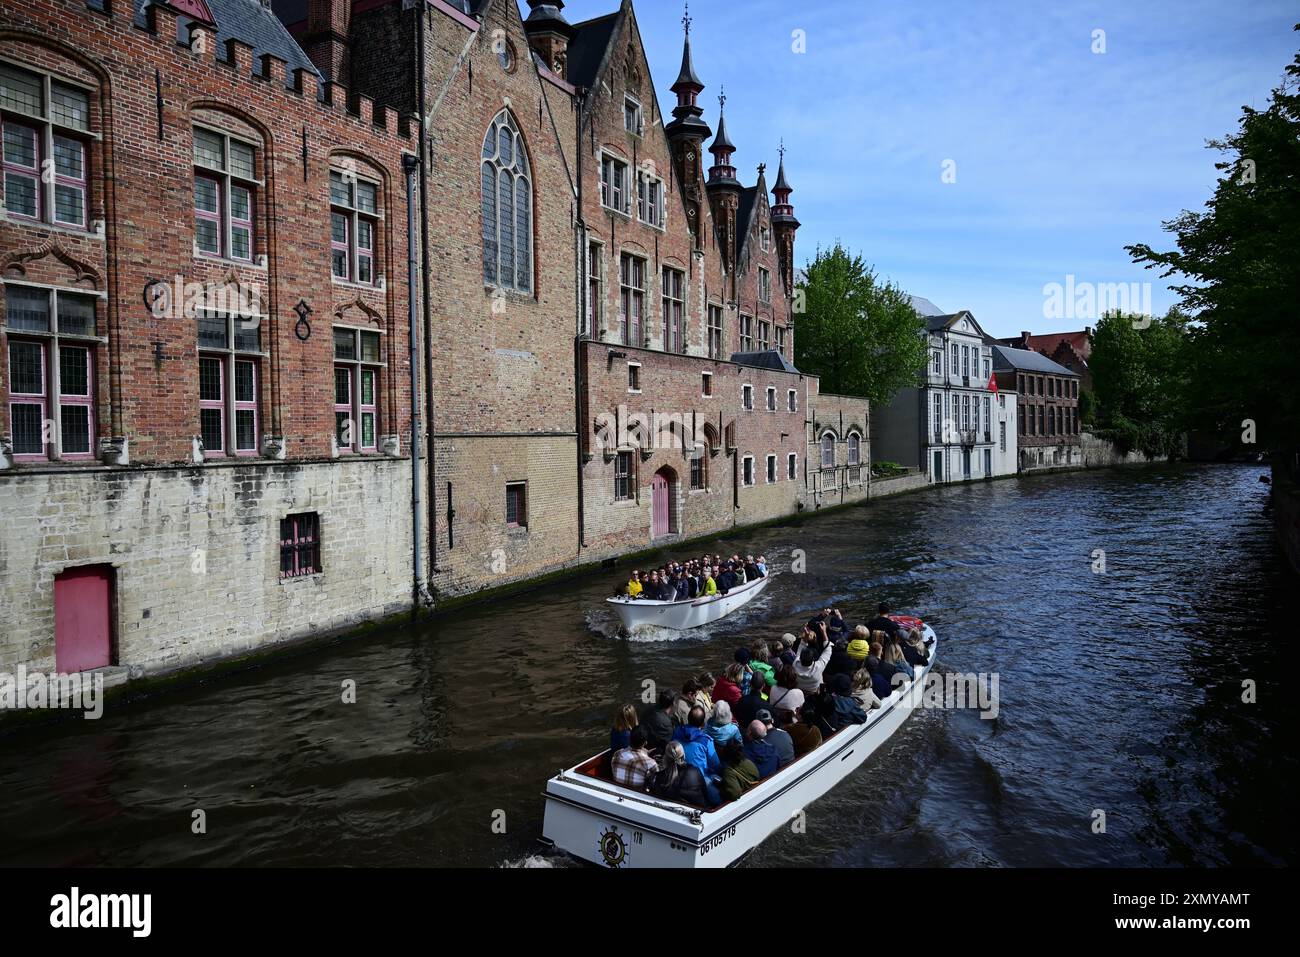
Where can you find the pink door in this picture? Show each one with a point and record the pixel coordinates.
(659, 506)
(82, 598)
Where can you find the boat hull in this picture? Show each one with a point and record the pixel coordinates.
(679, 615)
(615, 827)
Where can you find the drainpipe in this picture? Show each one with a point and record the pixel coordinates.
(421, 591)
(579, 371)
(432, 478)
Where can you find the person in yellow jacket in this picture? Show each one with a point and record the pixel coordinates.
(710, 586)
(634, 585)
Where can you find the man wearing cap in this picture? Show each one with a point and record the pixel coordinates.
(778, 739)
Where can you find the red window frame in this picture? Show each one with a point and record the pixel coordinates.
(27, 172)
(213, 216)
(81, 185)
(245, 405)
(341, 246)
(517, 501)
(345, 408)
(300, 545)
(237, 223)
(72, 400)
(218, 404)
(39, 399)
(370, 408)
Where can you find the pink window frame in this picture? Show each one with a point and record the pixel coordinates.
(340, 407)
(86, 401)
(296, 541)
(218, 404)
(216, 217)
(363, 409)
(245, 406)
(41, 398)
(245, 223)
(365, 252)
(82, 185)
(345, 246)
(33, 172)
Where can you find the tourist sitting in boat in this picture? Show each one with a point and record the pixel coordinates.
(680, 780)
(722, 726)
(894, 656)
(880, 683)
(742, 657)
(705, 681)
(726, 580)
(681, 587)
(914, 649)
(632, 766)
(738, 772)
(699, 750)
(860, 647)
(844, 709)
(762, 566)
(658, 722)
(841, 663)
(864, 691)
(786, 696)
(777, 738)
(814, 656)
(760, 664)
(803, 730)
(882, 621)
(684, 701)
(764, 756)
(621, 733)
(634, 585)
(729, 687)
(749, 703)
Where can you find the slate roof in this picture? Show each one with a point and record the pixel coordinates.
(924, 307)
(258, 26)
(771, 359)
(1005, 358)
(587, 48)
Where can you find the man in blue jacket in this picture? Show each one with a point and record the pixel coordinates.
(759, 751)
(700, 751)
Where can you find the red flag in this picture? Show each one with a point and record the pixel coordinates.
(993, 383)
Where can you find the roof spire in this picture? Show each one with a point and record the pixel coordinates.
(686, 20)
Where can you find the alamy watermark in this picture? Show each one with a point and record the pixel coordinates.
(1089, 300)
(35, 690)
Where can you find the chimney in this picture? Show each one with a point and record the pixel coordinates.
(326, 39)
(549, 35)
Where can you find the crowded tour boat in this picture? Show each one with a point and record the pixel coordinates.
(703, 775)
(680, 596)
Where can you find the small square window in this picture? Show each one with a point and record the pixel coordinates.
(747, 396)
(633, 377)
(792, 400)
(517, 505)
(300, 545)
(771, 469)
(792, 466)
(771, 399)
(706, 383)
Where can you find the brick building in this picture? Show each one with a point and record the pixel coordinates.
(1047, 407)
(205, 400)
(1070, 349)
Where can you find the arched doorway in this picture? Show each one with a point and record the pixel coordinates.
(663, 503)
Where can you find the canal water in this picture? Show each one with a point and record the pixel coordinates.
(1120, 702)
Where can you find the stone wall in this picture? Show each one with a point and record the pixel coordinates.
(196, 556)
(1099, 453)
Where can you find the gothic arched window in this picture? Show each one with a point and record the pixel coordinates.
(507, 207)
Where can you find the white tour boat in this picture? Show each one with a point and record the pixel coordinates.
(691, 613)
(592, 818)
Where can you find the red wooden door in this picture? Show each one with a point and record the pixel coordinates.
(82, 598)
(658, 505)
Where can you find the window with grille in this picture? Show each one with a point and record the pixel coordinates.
(507, 193)
(225, 194)
(674, 305)
(699, 468)
(300, 545)
(354, 222)
(517, 505)
(623, 480)
(45, 127)
(230, 354)
(631, 299)
(358, 362)
(51, 372)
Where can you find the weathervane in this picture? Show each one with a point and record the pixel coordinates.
(762, 168)
(781, 150)
(686, 19)
(722, 98)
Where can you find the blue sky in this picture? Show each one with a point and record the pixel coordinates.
(1062, 156)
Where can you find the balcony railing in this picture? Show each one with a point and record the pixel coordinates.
(968, 437)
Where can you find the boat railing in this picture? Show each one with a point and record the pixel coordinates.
(692, 814)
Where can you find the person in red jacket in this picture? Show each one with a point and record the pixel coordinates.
(728, 687)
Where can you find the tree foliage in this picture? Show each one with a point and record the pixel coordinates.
(1140, 382)
(1241, 260)
(860, 335)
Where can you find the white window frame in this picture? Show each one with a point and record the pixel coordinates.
(747, 397)
(354, 215)
(792, 400)
(609, 164)
(630, 100)
(229, 357)
(764, 285)
(771, 473)
(356, 366)
(634, 376)
(748, 475)
(706, 385)
(792, 466)
(225, 179)
(650, 200)
(771, 398)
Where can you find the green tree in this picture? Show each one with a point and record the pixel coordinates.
(861, 335)
(1241, 259)
(1140, 381)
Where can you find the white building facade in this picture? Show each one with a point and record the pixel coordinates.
(963, 417)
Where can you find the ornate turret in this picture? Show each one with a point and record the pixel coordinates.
(549, 34)
(687, 133)
(724, 189)
(784, 225)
